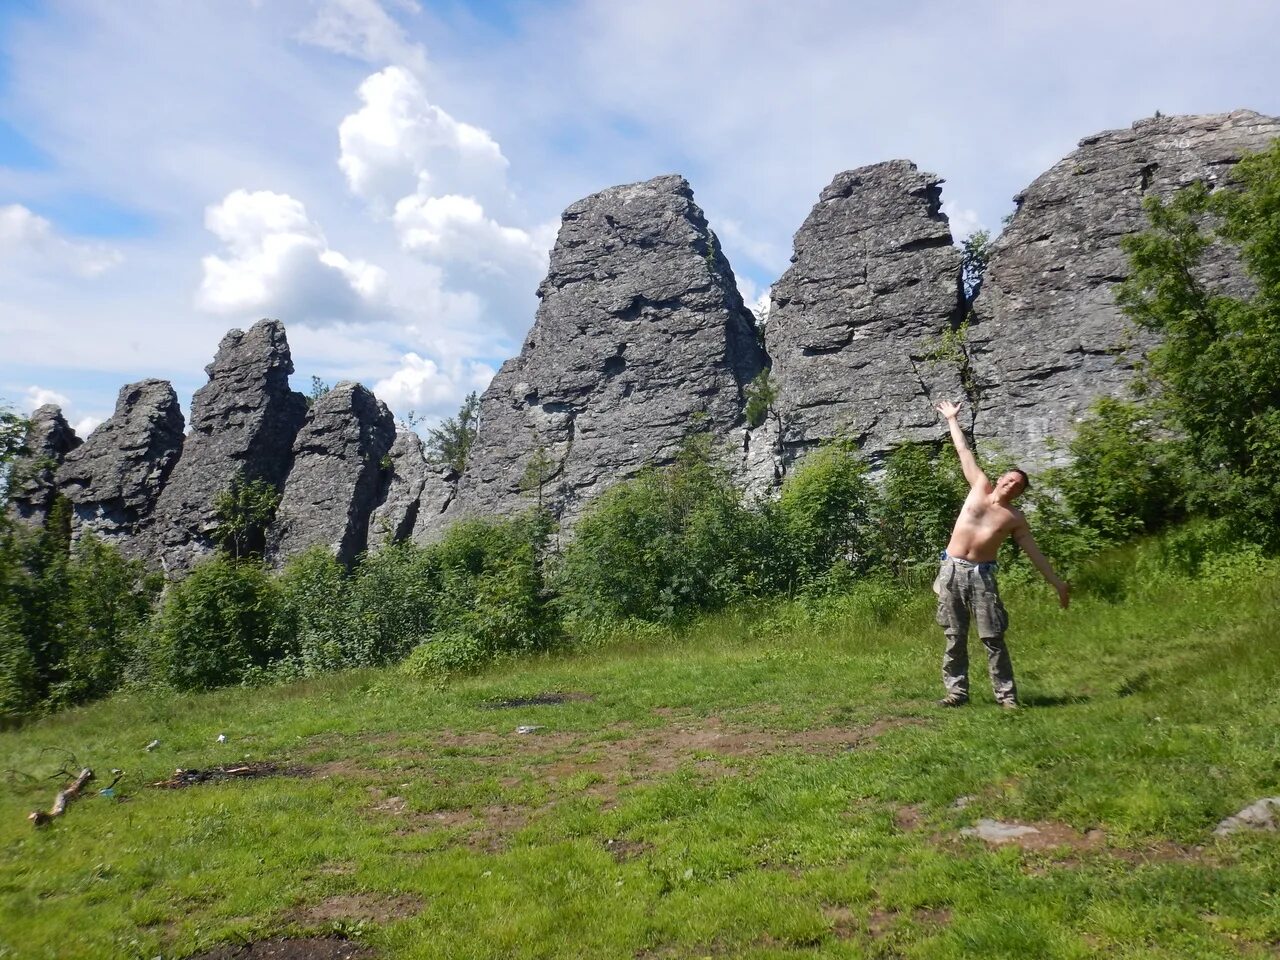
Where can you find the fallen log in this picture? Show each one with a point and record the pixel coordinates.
(39, 817)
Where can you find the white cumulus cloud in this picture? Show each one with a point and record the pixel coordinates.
(30, 242)
(39, 396)
(455, 228)
(422, 386)
(964, 221)
(278, 262)
(364, 30)
(400, 142)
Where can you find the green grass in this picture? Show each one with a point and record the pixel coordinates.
(716, 761)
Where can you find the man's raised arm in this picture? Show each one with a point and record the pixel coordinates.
(972, 472)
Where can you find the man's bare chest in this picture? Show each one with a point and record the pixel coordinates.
(983, 516)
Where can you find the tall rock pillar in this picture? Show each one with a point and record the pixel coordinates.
(640, 339)
(33, 484)
(114, 479)
(855, 330)
(340, 458)
(243, 424)
(1048, 337)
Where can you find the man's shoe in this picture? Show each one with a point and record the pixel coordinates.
(953, 700)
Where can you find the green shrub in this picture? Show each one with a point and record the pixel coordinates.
(108, 600)
(392, 599)
(826, 513)
(1122, 480)
(920, 497)
(216, 625)
(446, 654)
(663, 545)
(490, 585)
(313, 626)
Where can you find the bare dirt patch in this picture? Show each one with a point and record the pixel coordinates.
(298, 948)
(908, 818)
(601, 764)
(1071, 847)
(372, 907)
(624, 850)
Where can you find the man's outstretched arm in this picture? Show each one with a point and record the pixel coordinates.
(1022, 536)
(968, 462)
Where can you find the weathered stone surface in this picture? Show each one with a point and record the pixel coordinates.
(856, 322)
(243, 424)
(114, 479)
(1259, 815)
(340, 459)
(397, 511)
(33, 483)
(1048, 337)
(641, 338)
(439, 490)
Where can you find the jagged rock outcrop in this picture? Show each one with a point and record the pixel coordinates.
(856, 323)
(439, 490)
(1047, 336)
(114, 478)
(243, 424)
(33, 482)
(340, 458)
(407, 474)
(641, 338)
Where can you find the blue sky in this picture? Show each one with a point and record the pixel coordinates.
(386, 176)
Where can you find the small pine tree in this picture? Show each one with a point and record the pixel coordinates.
(450, 443)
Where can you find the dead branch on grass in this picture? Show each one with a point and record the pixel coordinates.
(39, 817)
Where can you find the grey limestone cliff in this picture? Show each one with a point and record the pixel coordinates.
(243, 424)
(1047, 337)
(407, 474)
(640, 339)
(340, 459)
(33, 481)
(115, 477)
(856, 323)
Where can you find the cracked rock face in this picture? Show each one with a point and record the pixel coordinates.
(114, 479)
(340, 459)
(243, 423)
(33, 484)
(641, 338)
(1047, 336)
(855, 330)
(397, 511)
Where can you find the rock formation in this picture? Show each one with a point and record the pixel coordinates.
(397, 511)
(243, 424)
(340, 459)
(641, 338)
(856, 323)
(33, 484)
(114, 479)
(1047, 336)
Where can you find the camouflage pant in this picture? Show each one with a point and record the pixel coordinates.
(968, 590)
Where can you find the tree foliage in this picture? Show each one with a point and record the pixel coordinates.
(244, 512)
(450, 443)
(1216, 372)
(973, 263)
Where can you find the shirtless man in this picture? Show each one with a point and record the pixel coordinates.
(966, 584)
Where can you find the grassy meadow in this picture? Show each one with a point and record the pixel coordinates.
(773, 782)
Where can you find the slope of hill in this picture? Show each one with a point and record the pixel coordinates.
(767, 784)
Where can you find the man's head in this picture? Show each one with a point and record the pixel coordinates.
(1012, 484)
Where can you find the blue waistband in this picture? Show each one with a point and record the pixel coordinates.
(987, 565)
